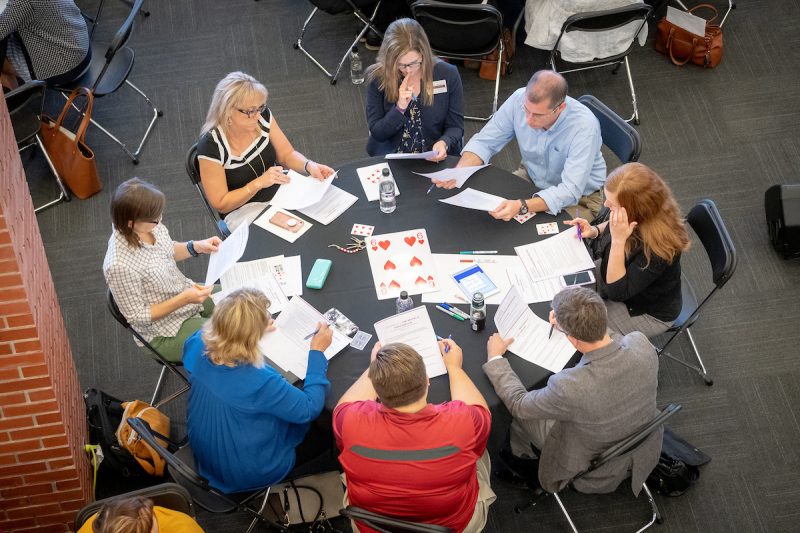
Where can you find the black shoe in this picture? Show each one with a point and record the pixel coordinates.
(525, 468)
(508, 476)
(373, 41)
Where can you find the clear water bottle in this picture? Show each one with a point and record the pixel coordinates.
(356, 67)
(386, 190)
(404, 302)
(477, 312)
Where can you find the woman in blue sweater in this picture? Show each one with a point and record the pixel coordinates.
(415, 102)
(244, 418)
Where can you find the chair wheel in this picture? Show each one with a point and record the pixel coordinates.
(333, 81)
(636, 121)
(146, 13)
(659, 519)
(296, 46)
(160, 113)
(136, 161)
(708, 380)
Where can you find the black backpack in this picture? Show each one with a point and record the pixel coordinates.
(672, 477)
(104, 414)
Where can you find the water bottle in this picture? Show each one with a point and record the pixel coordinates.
(404, 302)
(386, 189)
(356, 67)
(477, 312)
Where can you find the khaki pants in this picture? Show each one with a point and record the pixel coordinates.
(591, 202)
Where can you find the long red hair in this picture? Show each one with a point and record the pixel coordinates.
(648, 200)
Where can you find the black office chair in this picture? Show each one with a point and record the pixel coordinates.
(108, 71)
(619, 136)
(625, 446)
(94, 20)
(707, 223)
(463, 31)
(193, 170)
(25, 108)
(181, 467)
(165, 365)
(387, 524)
(338, 7)
(601, 21)
(167, 495)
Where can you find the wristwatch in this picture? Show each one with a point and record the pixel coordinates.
(523, 210)
(190, 248)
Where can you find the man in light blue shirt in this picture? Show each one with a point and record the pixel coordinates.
(559, 139)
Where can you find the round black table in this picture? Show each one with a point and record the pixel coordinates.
(450, 229)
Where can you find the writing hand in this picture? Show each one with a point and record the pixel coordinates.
(323, 337)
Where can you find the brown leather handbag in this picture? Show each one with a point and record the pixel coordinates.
(73, 159)
(682, 46)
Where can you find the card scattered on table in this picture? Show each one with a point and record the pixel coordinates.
(362, 230)
(524, 218)
(360, 340)
(548, 228)
(370, 177)
(402, 261)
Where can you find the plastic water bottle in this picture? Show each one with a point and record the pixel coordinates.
(386, 190)
(477, 312)
(356, 67)
(404, 302)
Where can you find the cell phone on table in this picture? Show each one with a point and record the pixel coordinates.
(578, 279)
(287, 222)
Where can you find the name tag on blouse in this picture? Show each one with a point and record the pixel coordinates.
(439, 86)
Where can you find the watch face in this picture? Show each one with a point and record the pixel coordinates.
(523, 209)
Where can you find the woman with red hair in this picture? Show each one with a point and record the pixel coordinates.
(640, 247)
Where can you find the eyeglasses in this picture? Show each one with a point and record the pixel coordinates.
(154, 221)
(541, 115)
(409, 66)
(250, 113)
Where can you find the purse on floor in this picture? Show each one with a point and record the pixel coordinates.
(70, 155)
(683, 46)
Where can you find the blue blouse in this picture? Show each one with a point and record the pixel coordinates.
(245, 422)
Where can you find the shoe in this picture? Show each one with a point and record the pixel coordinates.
(527, 469)
(509, 477)
(373, 41)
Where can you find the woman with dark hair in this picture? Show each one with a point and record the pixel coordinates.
(154, 296)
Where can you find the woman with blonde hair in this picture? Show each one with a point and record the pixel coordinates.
(243, 153)
(136, 514)
(244, 419)
(640, 249)
(415, 102)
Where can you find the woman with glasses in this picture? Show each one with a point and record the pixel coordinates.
(415, 102)
(243, 153)
(157, 300)
(640, 247)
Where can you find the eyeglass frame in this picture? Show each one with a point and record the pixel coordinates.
(538, 116)
(250, 113)
(414, 65)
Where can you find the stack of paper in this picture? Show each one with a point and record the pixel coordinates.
(555, 256)
(415, 329)
(301, 191)
(334, 202)
(256, 275)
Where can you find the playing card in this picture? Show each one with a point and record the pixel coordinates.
(549, 228)
(401, 261)
(362, 230)
(370, 177)
(524, 218)
(360, 340)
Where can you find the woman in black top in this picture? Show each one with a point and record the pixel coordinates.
(242, 151)
(640, 248)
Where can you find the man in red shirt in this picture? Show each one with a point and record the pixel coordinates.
(409, 459)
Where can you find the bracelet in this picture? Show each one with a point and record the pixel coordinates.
(597, 229)
(190, 247)
(305, 167)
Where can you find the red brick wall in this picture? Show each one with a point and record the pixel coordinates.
(44, 474)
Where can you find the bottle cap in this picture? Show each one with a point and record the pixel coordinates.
(403, 295)
(477, 298)
(385, 171)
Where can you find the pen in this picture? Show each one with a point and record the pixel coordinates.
(475, 252)
(315, 332)
(431, 188)
(450, 313)
(455, 310)
(285, 171)
(477, 261)
(578, 214)
(550, 335)
(446, 346)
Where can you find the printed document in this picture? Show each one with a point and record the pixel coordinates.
(472, 199)
(334, 202)
(228, 253)
(555, 256)
(423, 155)
(415, 329)
(460, 174)
(301, 191)
(533, 292)
(257, 275)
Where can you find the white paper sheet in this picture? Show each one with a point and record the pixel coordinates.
(555, 256)
(423, 155)
(402, 262)
(494, 266)
(415, 329)
(292, 284)
(515, 319)
(473, 199)
(687, 21)
(228, 253)
(333, 203)
(533, 292)
(370, 177)
(285, 234)
(287, 347)
(257, 275)
(460, 174)
(301, 191)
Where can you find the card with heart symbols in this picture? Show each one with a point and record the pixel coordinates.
(370, 177)
(401, 261)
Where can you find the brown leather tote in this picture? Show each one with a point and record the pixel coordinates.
(682, 46)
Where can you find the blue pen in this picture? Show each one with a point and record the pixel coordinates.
(431, 188)
(578, 214)
(446, 346)
(455, 310)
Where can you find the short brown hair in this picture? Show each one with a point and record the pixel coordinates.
(135, 200)
(581, 313)
(398, 375)
(547, 85)
(125, 515)
(237, 324)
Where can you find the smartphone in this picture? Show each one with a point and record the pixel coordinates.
(579, 278)
(287, 222)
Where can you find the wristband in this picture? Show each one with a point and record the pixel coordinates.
(305, 166)
(597, 229)
(190, 247)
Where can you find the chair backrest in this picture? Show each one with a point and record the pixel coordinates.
(707, 223)
(119, 41)
(335, 7)
(459, 30)
(193, 170)
(25, 108)
(167, 495)
(119, 317)
(388, 524)
(620, 137)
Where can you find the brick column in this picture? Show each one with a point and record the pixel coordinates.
(44, 474)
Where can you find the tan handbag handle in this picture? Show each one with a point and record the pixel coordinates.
(87, 115)
(707, 6)
(672, 56)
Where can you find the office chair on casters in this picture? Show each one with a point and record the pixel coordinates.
(619, 136)
(623, 447)
(193, 170)
(602, 21)
(108, 71)
(25, 108)
(165, 365)
(386, 524)
(181, 468)
(707, 223)
(463, 31)
(167, 495)
(94, 20)
(336, 7)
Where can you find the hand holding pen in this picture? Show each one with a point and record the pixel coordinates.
(321, 338)
(453, 356)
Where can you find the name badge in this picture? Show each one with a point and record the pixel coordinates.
(439, 86)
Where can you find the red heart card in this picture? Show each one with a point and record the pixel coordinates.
(410, 240)
(394, 285)
(415, 261)
(389, 266)
(385, 244)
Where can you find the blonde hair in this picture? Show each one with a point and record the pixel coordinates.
(125, 515)
(401, 37)
(648, 200)
(230, 92)
(237, 324)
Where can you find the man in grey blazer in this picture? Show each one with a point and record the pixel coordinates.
(586, 409)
